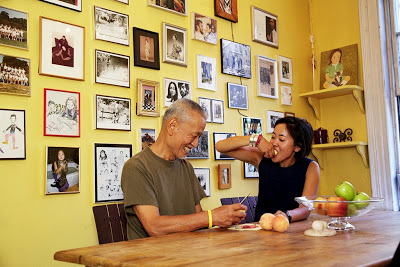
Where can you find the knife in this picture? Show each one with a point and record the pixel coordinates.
(244, 198)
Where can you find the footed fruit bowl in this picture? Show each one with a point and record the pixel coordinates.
(339, 211)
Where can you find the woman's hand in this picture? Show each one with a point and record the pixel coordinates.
(266, 148)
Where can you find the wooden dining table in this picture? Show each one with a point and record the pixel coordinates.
(373, 243)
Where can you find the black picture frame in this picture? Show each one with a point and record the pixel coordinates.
(113, 113)
(235, 59)
(138, 61)
(202, 151)
(218, 137)
(238, 96)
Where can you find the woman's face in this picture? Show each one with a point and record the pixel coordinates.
(172, 89)
(61, 155)
(283, 143)
(336, 57)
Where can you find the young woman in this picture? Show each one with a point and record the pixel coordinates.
(285, 172)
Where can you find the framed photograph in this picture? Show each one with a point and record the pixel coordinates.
(265, 27)
(111, 26)
(112, 68)
(176, 6)
(217, 108)
(285, 70)
(109, 159)
(203, 175)
(219, 137)
(201, 151)
(113, 113)
(62, 170)
(205, 103)
(176, 89)
(206, 73)
(251, 126)
(224, 176)
(12, 129)
(289, 114)
(15, 75)
(174, 45)
(237, 96)
(267, 77)
(250, 171)
(226, 9)
(62, 113)
(124, 1)
(148, 98)
(147, 137)
(146, 49)
(235, 59)
(14, 29)
(286, 95)
(204, 28)
(71, 4)
(272, 117)
(62, 49)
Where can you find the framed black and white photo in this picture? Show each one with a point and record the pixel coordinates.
(112, 68)
(285, 70)
(250, 171)
(15, 75)
(148, 98)
(111, 26)
(109, 159)
(146, 49)
(147, 137)
(235, 59)
(176, 89)
(203, 175)
(205, 103)
(113, 113)
(14, 28)
(206, 73)
(218, 137)
(71, 4)
(202, 150)
(204, 28)
(265, 27)
(286, 95)
(174, 44)
(12, 132)
(237, 96)
(176, 6)
(62, 170)
(272, 117)
(267, 77)
(217, 107)
(251, 126)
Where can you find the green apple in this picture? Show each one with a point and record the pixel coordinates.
(351, 210)
(361, 196)
(346, 190)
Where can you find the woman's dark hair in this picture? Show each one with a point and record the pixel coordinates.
(333, 52)
(173, 97)
(302, 133)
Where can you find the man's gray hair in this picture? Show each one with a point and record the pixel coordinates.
(181, 109)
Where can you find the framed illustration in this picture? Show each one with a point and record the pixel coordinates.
(267, 77)
(146, 49)
(62, 49)
(147, 137)
(148, 98)
(111, 26)
(272, 117)
(224, 176)
(289, 114)
(226, 9)
(217, 108)
(112, 68)
(62, 170)
(204, 28)
(205, 103)
(203, 175)
(285, 70)
(176, 6)
(176, 89)
(235, 59)
(202, 149)
(13, 134)
(71, 4)
(174, 45)
(286, 95)
(265, 27)
(62, 113)
(109, 159)
(14, 29)
(237, 96)
(251, 126)
(113, 113)
(206, 73)
(219, 137)
(250, 171)
(15, 75)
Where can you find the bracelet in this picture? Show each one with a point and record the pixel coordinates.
(210, 224)
(288, 215)
(253, 140)
(258, 140)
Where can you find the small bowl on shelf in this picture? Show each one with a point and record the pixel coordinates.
(338, 211)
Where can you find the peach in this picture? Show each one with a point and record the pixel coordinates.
(320, 207)
(266, 221)
(280, 223)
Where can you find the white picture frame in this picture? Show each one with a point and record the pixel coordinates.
(286, 95)
(251, 125)
(265, 27)
(272, 117)
(285, 70)
(174, 45)
(217, 108)
(183, 89)
(203, 175)
(205, 103)
(115, 29)
(207, 73)
(218, 137)
(267, 77)
(237, 96)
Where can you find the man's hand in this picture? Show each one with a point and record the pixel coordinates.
(228, 215)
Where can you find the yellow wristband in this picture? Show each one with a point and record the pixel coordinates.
(209, 219)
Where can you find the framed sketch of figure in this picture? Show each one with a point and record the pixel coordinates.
(71, 4)
(12, 134)
(174, 45)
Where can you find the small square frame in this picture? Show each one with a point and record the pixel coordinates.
(203, 175)
(267, 77)
(285, 70)
(251, 126)
(226, 12)
(148, 98)
(218, 137)
(207, 73)
(202, 151)
(272, 117)
(144, 55)
(105, 34)
(237, 96)
(217, 108)
(113, 69)
(10, 141)
(147, 137)
(205, 103)
(262, 30)
(173, 52)
(224, 176)
(250, 171)
(113, 113)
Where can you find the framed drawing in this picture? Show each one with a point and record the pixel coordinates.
(285, 70)
(176, 89)
(201, 151)
(14, 29)
(113, 113)
(267, 77)
(237, 96)
(112, 68)
(251, 126)
(62, 52)
(205, 103)
(62, 113)
(289, 114)
(176, 6)
(62, 170)
(147, 137)
(146, 49)
(226, 9)
(204, 28)
(272, 117)
(250, 171)
(111, 26)
(224, 176)
(148, 98)
(203, 175)
(174, 44)
(217, 108)
(219, 137)
(109, 159)
(265, 27)
(286, 95)
(15, 75)
(71, 4)
(206, 73)
(13, 134)
(235, 59)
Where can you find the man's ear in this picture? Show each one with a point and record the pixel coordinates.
(172, 125)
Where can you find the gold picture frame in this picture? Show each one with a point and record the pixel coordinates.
(148, 99)
(224, 176)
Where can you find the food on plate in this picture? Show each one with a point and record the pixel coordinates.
(319, 225)
(246, 227)
(266, 221)
(336, 209)
(346, 190)
(319, 228)
(320, 207)
(280, 223)
(361, 196)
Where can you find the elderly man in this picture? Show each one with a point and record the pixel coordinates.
(161, 191)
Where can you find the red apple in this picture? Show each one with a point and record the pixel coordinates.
(336, 209)
(320, 207)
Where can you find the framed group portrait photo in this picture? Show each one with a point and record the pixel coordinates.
(15, 75)
(267, 77)
(174, 6)
(111, 26)
(71, 4)
(148, 98)
(113, 113)
(113, 69)
(235, 59)
(146, 49)
(265, 27)
(12, 134)
(174, 45)
(14, 28)
(226, 9)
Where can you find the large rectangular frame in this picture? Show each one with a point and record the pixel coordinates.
(148, 98)
(115, 109)
(263, 32)
(235, 59)
(116, 65)
(267, 77)
(142, 49)
(123, 28)
(13, 145)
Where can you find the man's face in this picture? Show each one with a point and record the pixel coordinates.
(272, 23)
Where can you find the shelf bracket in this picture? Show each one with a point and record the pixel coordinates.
(362, 150)
(359, 97)
(315, 104)
(319, 155)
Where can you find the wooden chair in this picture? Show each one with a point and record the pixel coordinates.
(110, 223)
(250, 202)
